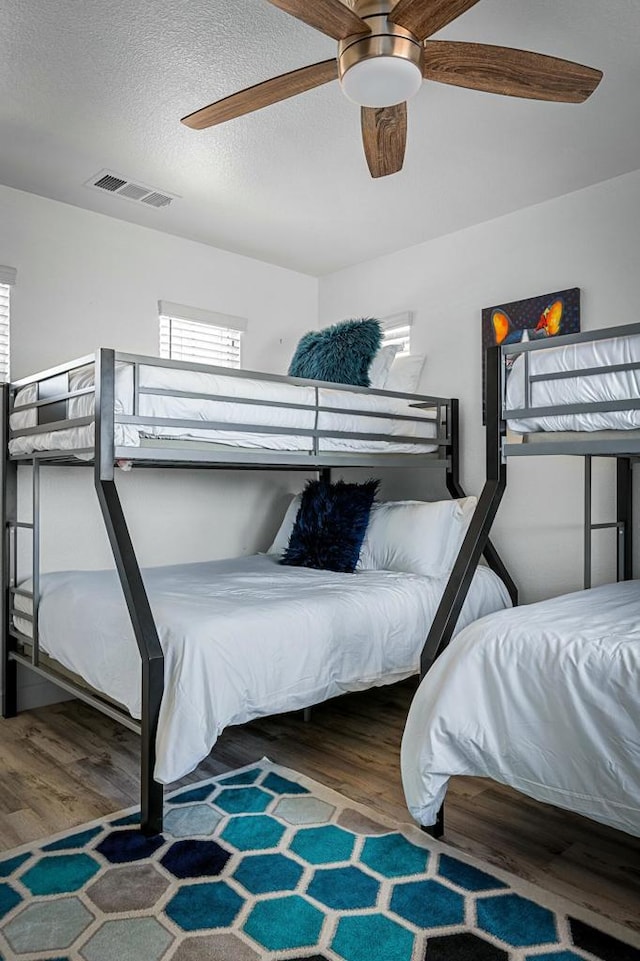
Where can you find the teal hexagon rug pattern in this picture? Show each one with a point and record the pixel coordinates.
(266, 864)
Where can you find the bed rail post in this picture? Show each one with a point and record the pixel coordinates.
(624, 517)
(477, 535)
(9, 678)
(588, 522)
(142, 621)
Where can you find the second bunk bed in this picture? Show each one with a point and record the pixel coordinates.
(546, 697)
(179, 653)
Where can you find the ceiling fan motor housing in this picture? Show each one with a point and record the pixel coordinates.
(398, 73)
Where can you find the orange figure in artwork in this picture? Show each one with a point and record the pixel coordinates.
(551, 319)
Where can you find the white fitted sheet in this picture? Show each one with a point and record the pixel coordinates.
(228, 412)
(611, 386)
(545, 698)
(244, 638)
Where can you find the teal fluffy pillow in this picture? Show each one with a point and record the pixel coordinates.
(340, 354)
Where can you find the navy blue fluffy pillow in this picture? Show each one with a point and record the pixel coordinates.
(340, 354)
(330, 526)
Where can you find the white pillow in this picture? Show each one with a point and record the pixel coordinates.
(417, 537)
(381, 365)
(405, 372)
(281, 542)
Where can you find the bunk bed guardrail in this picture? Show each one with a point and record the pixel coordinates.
(581, 444)
(53, 416)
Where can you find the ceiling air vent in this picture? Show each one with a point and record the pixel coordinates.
(131, 190)
(156, 199)
(109, 182)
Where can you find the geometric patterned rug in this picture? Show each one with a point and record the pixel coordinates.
(267, 864)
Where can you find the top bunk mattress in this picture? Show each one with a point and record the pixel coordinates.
(612, 386)
(299, 413)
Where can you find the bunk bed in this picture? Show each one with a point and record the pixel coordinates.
(544, 697)
(121, 411)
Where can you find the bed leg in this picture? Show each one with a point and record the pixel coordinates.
(10, 686)
(436, 830)
(306, 715)
(151, 791)
(152, 803)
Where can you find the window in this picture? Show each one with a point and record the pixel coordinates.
(396, 330)
(199, 336)
(199, 343)
(7, 278)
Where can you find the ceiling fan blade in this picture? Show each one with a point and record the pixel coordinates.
(425, 17)
(330, 17)
(263, 95)
(384, 135)
(513, 73)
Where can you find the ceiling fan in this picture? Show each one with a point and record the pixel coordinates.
(383, 56)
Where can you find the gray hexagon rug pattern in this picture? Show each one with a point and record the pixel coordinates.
(267, 864)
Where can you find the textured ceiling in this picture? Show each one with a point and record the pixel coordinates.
(86, 85)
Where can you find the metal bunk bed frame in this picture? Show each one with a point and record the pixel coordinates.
(52, 410)
(625, 448)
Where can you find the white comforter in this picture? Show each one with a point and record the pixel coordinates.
(245, 638)
(232, 412)
(545, 698)
(607, 387)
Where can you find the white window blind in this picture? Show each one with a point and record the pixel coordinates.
(396, 330)
(5, 303)
(200, 336)
(199, 343)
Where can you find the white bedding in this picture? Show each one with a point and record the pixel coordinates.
(245, 638)
(229, 412)
(611, 386)
(545, 698)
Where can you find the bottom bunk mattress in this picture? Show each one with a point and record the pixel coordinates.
(545, 698)
(244, 638)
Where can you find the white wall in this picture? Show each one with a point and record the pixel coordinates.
(86, 280)
(589, 239)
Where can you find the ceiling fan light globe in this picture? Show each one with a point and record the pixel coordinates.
(381, 81)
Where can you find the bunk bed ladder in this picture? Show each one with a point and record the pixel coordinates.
(135, 594)
(9, 678)
(622, 524)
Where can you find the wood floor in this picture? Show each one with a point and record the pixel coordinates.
(66, 764)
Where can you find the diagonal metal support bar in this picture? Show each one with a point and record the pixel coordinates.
(151, 654)
(476, 542)
(135, 593)
(459, 582)
(477, 537)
